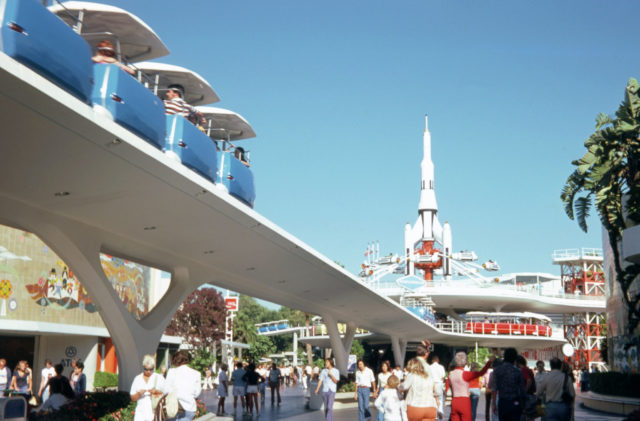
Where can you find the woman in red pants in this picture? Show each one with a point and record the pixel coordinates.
(459, 383)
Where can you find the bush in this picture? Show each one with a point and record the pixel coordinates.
(201, 360)
(104, 406)
(201, 409)
(616, 384)
(103, 380)
(100, 406)
(346, 386)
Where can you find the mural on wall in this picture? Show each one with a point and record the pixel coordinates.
(60, 288)
(131, 282)
(36, 285)
(5, 292)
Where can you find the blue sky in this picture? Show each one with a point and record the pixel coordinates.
(337, 92)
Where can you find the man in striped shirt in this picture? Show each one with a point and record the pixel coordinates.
(175, 104)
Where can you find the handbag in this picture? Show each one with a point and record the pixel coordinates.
(159, 412)
(566, 396)
(171, 404)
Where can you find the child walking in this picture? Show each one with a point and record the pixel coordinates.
(388, 402)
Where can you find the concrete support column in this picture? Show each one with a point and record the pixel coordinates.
(295, 349)
(399, 347)
(340, 355)
(79, 247)
(347, 340)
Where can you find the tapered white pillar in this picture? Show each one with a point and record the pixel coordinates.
(340, 354)
(76, 244)
(295, 349)
(399, 347)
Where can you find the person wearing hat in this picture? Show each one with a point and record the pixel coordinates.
(106, 54)
(175, 104)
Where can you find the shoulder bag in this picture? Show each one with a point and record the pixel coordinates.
(159, 413)
(566, 396)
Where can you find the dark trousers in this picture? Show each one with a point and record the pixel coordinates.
(509, 409)
(487, 407)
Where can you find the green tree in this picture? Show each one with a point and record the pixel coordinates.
(201, 360)
(260, 348)
(249, 313)
(357, 349)
(483, 356)
(608, 177)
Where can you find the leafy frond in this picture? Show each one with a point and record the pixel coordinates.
(603, 119)
(571, 188)
(582, 207)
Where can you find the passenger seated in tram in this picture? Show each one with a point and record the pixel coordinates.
(174, 104)
(105, 53)
(193, 119)
(240, 156)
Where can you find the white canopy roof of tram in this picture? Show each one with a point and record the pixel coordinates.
(197, 90)
(229, 122)
(137, 40)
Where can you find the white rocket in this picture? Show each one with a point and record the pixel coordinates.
(427, 227)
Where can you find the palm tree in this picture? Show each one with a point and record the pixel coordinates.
(608, 176)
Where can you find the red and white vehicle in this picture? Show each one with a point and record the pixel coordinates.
(530, 324)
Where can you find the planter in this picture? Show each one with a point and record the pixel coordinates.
(612, 404)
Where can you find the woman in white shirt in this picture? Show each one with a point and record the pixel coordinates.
(184, 381)
(383, 376)
(421, 391)
(145, 386)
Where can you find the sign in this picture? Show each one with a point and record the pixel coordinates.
(568, 350)
(231, 303)
(70, 351)
(351, 365)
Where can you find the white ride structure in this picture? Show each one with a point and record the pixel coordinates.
(455, 284)
(419, 240)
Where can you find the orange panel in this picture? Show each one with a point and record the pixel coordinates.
(110, 359)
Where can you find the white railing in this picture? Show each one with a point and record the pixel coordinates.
(585, 252)
(391, 289)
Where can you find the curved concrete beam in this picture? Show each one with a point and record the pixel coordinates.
(78, 246)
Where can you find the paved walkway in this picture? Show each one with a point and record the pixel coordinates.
(293, 409)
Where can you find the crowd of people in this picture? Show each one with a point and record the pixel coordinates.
(54, 389)
(250, 381)
(512, 390)
(416, 392)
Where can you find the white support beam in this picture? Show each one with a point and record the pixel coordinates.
(78, 245)
(295, 349)
(340, 354)
(347, 340)
(399, 347)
